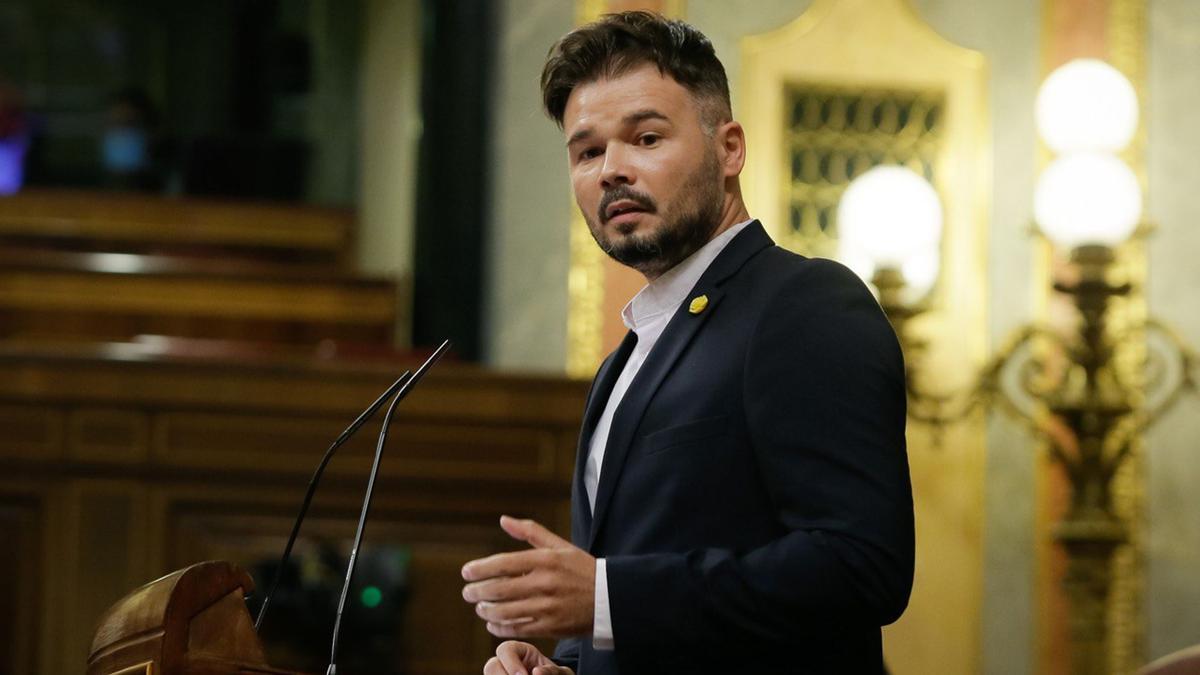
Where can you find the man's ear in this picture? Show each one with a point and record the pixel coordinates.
(731, 148)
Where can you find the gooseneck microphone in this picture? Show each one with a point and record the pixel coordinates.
(366, 506)
(312, 487)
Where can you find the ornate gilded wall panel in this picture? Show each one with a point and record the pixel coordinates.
(1126, 32)
(836, 133)
(850, 84)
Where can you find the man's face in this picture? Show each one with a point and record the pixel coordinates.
(646, 175)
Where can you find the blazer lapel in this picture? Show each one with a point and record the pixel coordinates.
(606, 378)
(671, 344)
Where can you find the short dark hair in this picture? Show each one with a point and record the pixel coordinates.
(618, 43)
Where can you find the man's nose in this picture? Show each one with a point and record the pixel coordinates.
(617, 168)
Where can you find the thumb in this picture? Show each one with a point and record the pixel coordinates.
(532, 533)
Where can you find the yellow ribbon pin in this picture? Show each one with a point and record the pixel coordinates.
(698, 304)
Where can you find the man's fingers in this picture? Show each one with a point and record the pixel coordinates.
(505, 621)
(532, 532)
(499, 621)
(505, 589)
(552, 670)
(500, 565)
(512, 656)
(517, 658)
(511, 613)
(499, 589)
(537, 628)
(501, 630)
(494, 667)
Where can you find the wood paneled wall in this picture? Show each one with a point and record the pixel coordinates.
(119, 464)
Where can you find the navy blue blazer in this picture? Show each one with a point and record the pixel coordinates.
(754, 504)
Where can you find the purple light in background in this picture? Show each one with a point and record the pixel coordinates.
(12, 164)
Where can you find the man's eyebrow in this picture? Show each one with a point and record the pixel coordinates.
(643, 115)
(580, 135)
(632, 118)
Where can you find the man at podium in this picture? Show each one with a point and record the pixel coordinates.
(741, 499)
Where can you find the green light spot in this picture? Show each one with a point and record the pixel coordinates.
(371, 596)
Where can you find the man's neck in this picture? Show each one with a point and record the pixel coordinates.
(733, 211)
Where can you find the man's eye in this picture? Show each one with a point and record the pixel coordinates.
(649, 139)
(589, 153)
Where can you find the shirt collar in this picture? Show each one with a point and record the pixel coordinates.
(666, 292)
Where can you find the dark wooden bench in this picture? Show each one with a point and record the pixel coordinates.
(133, 223)
(115, 296)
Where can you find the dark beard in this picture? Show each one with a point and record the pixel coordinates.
(685, 228)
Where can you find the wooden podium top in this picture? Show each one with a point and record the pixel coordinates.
(190, 622)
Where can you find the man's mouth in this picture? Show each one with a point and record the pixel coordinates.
(622, 207)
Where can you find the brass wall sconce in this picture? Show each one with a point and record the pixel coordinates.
(1072, 388)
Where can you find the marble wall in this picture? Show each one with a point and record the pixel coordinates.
(389, 133)
(1008, 35)
(1172, 594)
(529, 250)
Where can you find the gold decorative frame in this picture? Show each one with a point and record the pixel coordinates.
(1126, 29)
(1126, 38)
(882, 45)
(835, 134)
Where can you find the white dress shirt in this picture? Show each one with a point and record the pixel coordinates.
(647, 314)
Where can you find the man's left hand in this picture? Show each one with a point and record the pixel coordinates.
(547, 591)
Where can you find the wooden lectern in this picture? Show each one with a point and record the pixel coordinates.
(191, 622)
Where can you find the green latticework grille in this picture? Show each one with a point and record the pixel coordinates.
(835, 134)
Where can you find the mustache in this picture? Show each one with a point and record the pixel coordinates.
(624, 192)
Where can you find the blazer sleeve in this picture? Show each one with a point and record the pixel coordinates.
(824, 405)
(566, 653)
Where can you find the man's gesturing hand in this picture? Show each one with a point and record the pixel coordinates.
(520, 658)
(547, 591)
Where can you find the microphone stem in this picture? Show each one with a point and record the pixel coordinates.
(362, 525)
(312, 488)
(366, 507)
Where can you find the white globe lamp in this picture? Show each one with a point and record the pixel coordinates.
(1087, 198)
(1087, 105)
(890, 217)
